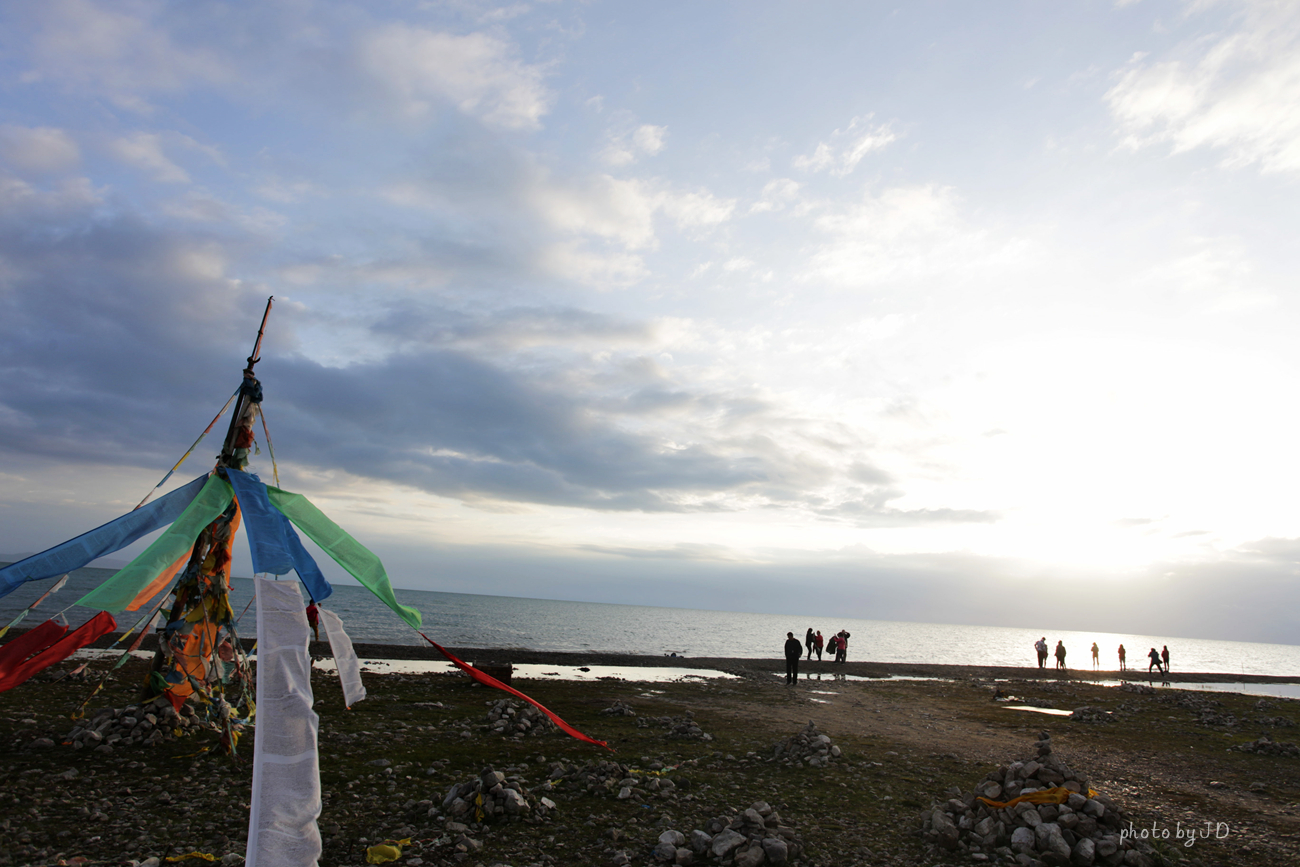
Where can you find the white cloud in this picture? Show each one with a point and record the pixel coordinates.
(116, 49)
(1237, 93)
(776, 195)
(625, 147)
(145, 151)
(38, 149)
(478, 73)
(624, 210)
(847, 147)
(904, 233)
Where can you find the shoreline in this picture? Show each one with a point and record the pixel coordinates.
(752, 665)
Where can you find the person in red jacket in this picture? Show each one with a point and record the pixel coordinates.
(818, 641)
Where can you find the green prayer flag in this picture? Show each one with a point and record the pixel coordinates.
(117, 592)
(359, 561)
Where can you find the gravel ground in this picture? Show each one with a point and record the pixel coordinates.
(1170, 757)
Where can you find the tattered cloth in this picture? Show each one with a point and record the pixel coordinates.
(46, 645)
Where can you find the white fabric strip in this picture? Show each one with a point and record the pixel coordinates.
(345, 658)
(286, 800)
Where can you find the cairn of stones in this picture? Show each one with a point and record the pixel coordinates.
(1083, 831)
(612, 779)
(809, 747)
(143, 725)
(679, 727)
(750, 839)
(1266, 746)
(618, 708)
(493, 797)
(511, 718)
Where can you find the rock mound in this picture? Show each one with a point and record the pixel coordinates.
(510, 718)
(1083, 830)
(751, 838)
(493, 796)
(809, 747)
(142, 725)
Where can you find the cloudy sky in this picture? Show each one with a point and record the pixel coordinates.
(937, 311)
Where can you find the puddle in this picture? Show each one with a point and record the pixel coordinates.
(819, 700)
(822, 692)
(1273, 690)
(531, 671)
(1047, 710)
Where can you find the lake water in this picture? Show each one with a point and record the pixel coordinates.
(465, 620)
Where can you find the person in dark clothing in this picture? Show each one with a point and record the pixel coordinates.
(842, 646)
(809, 642)
(1060, 654)
(1164, 656)
(1154, 656)
(793, 652)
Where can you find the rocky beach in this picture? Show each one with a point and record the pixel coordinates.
(858, 764)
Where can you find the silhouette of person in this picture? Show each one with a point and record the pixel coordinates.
(793, 652)
(1154, 656)
(1041, 646)
(809, 642)
(1164, 656)
(1096, 661)
(1122, 657)
(1060, 654)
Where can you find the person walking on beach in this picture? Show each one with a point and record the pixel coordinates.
(809, 642)
(793, 652)
(1164, 656)
(313, 619)
(818, 641)
(1122, 657)
(1041, 646)
(1154, 656)
(1060, 655)
(1096, 661)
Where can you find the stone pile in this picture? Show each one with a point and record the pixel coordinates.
(680, 727)
(809, 747)
(148, 724)
(752, 838)
(1092, 715)
(1138, 688)
(510, 718)
(1266, 746)
(491, 797)
(611, 778)
(618, 708)
(1083, 831)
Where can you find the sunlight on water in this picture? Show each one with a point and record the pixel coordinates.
(501, 622)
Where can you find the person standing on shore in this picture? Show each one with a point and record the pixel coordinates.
(313, 619)
(1096, 661)
(818, 641)
(1154, 656)
(1041, 646)
(1060, 655)
(809, 642)
(1164, 656)
(793, 652)
(842, 648)
(1122, 657)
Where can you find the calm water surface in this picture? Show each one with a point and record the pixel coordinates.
(465, 620)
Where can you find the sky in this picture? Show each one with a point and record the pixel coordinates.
(937, 311)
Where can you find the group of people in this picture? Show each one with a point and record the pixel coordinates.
(1041, 647)
(837, 646)
(1159, 658)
